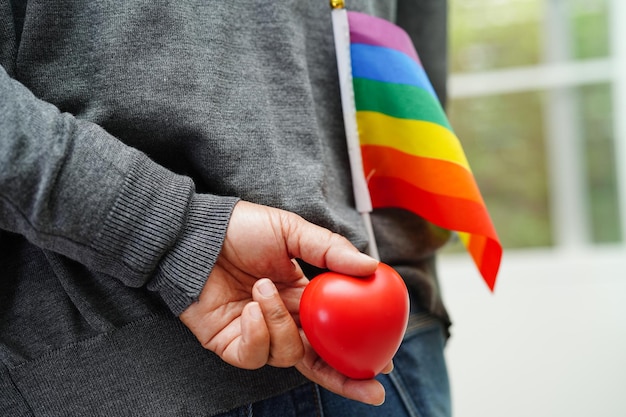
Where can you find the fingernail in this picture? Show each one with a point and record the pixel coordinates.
(255, 311)
(365, 256)
(382, 401)
(266, 288)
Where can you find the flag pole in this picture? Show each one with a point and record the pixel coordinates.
(363, 201)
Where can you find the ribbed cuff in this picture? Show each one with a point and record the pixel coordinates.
(185, 269)
(161, 233)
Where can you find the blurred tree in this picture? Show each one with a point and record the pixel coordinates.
(503, 135)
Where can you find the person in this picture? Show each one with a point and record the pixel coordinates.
(172, 174)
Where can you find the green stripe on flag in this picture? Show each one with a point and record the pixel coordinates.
(398, 100)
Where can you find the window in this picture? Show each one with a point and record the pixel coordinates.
(535, 88)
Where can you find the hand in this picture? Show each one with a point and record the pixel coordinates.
(250, 320)
(316, 369)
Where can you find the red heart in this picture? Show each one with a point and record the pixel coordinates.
(356, 324)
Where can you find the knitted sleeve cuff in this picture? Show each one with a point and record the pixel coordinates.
(160, 233)
(184, 270)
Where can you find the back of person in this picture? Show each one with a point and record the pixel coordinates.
(128, 133)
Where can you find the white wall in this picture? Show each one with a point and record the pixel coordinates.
(551, 340)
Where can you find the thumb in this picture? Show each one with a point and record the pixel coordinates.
(321, 247)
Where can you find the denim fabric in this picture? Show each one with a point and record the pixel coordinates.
(418, 386)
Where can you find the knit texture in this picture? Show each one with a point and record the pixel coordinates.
(128, 132)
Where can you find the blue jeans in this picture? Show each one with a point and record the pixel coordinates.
(417, 387)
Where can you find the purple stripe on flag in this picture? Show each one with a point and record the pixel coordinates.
(372, 30)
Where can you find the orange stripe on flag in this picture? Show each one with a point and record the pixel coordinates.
(434, 175)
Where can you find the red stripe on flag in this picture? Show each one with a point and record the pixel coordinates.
(447, 212)
(487, 254)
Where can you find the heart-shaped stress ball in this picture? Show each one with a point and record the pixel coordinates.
(356, 324)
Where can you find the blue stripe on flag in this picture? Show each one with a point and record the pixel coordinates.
(387, 65)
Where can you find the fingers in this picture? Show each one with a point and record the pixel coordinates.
(322, 248)
(285, 344)
(279, 236)
(269, 335)
(254, 347)
(388, 368)
(315, 369)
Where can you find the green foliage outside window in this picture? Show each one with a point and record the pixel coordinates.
(504, 135)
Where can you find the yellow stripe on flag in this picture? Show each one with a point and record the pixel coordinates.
(415, 137)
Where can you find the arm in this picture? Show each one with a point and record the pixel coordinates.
(70, 187)
(263, 242)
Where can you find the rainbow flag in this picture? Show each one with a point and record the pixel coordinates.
(411, 157)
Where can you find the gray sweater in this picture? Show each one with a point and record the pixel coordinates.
(128, 131)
